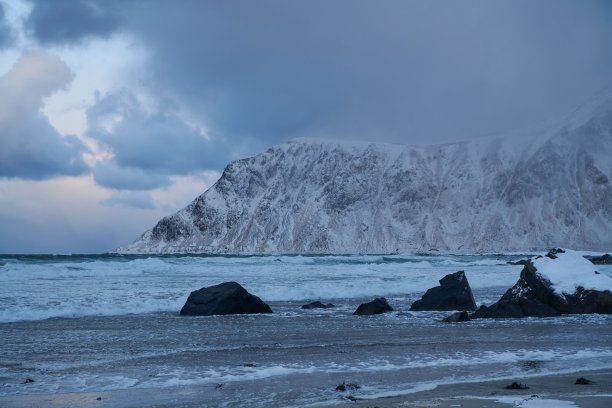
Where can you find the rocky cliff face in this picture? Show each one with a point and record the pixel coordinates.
(529, 192)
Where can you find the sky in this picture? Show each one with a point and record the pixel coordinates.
(115, 113)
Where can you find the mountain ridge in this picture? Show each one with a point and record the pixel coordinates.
(550, 189)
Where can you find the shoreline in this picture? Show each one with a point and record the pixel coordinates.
(549, 390)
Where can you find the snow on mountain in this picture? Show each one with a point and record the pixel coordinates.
(533, 191)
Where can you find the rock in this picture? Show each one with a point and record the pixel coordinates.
(517, 386)
(583, 381)
(99, 399)
(377, 306)
(457, 317)
(318, 305)
(225, 298)
(605, 259)
(552, 254)
(551, 286)
(519, 262)
(454, 293)
(28, 381)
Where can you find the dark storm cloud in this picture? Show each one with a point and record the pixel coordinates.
(30, 148)
(148, 144)
(6, 34)
(263, 72)
(71, 21)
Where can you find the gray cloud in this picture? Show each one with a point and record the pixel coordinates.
(6, 34)
(148, 143)
(131, 199)
(263, 72)
(30, 148)
(72, 21)
(109, 174)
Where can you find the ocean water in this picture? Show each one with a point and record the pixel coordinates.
(100, 323)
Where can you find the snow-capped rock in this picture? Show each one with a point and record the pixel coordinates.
(529, 192)
(562, 282)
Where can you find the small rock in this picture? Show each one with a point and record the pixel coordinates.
(341, 387)
(318, 305)
(552, 254)
(517, 386)
(457, 317)
(250, 365)
(99, 399)
(218, 386)
(605, 259)
(519, 262)
(583, 381)
(377, 306)
(351, 398)
(28, 381)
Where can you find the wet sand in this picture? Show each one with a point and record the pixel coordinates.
(548, 391)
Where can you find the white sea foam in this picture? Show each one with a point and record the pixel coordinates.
(534, 402)
(49, 288)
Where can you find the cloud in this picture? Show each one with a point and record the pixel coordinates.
(263, 72)
(109, 174)
(30, 147)
(6, 34)
(153, 139)
(72, 21)
(131, 199)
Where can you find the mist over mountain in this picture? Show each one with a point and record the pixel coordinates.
(530, 191)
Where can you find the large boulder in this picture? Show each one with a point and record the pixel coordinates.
(454, 293)
(377, 306)
(225, 298)
(561, 282)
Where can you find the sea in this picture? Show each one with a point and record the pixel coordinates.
(109, 324)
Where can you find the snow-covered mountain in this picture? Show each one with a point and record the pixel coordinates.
(531, 191)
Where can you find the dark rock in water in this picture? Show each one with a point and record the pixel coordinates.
(377, 306)
(28, 381)
(350, 386)
(457, 317)
(317, 305)
(225, 298)
(583, 381)
(519, 262)
(517, 386)
(454, 293)
(605, 259)
(533, 295)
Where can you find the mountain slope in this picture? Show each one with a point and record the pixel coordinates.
(530, 192)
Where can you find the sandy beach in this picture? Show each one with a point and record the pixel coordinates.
(554, 391)
(548, 391)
